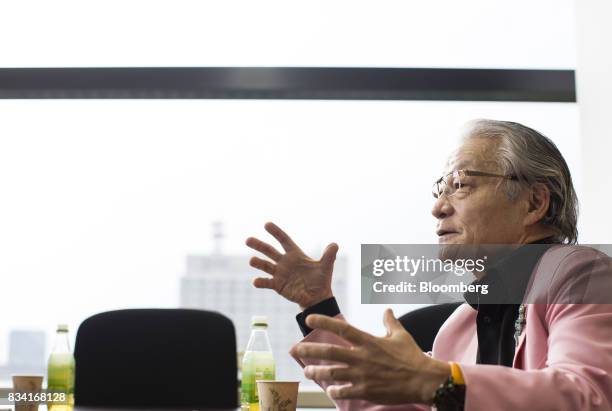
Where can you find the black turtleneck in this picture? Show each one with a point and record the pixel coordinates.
(498, 311)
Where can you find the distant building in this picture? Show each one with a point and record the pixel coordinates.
(26, 349)
(222, 283)
(26, 354)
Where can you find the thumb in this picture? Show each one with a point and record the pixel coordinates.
(329, 255)
(392, 324)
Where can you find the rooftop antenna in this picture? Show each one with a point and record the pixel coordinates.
(217, 236)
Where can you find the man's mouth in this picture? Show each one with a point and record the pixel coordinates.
(443, 232)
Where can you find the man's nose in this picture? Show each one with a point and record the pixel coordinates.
(442, 207)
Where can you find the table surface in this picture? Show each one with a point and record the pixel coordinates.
(177, 409)
(43, 408)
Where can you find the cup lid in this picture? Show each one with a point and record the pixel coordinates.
(259, 320)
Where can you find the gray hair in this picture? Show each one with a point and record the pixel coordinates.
(533, 158)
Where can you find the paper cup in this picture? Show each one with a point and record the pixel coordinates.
(277, 395)
(25, 388)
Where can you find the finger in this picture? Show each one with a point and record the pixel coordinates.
(263, 265)
(261, 282)
(330, 373)
(281, 236)
(391, 323)
(330, 352)
(345, 391)
(263, 248)
(329, 255)
(339, 327)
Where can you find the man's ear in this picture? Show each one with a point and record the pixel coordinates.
(539, 201)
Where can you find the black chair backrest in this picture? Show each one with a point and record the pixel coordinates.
(156, 358)
(424, 323)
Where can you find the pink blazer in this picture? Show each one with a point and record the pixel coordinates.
(563, 360)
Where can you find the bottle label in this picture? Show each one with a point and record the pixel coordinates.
(60, 373)
(255, 366)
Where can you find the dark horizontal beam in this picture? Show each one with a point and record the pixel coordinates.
(289, 83)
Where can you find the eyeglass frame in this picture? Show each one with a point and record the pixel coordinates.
(468, 173)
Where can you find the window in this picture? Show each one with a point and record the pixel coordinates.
(104, 200)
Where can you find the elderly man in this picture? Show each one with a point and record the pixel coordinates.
(506, 184)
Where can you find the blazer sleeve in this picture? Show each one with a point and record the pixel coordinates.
(322, 336)
(577, 374)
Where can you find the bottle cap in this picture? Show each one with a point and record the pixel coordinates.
(259, 320)
(62, 328)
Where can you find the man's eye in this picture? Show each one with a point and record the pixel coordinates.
(462, 188)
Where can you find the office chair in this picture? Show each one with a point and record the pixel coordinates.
(156, 358)
(425, 322)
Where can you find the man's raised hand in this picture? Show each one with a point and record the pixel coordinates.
(295, 276)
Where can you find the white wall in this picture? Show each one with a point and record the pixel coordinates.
(377, 33)
(594, 87)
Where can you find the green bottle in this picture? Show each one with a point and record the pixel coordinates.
(257, 363)
(60, 373)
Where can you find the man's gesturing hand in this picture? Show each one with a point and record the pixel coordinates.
(295, 276)
(384, 370)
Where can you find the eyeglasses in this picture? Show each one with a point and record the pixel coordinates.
(455, 182)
